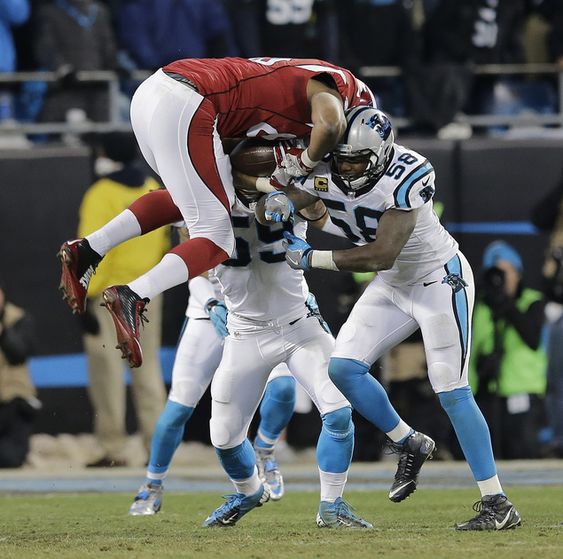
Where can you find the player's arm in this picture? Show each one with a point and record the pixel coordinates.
(329, 120)
(317, 216)
(329, 124)
(278, 206)
(394, 229)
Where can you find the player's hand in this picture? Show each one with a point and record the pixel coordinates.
(297, 252)
(278, 207)
(280, 178)
(217, 312)
(293, 160)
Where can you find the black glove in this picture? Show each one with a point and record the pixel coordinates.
(88, 321)
(494, 294)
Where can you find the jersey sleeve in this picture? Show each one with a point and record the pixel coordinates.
(414, 190)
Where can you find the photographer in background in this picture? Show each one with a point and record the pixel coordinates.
(508, 366)
(548, 216)
(18, 402)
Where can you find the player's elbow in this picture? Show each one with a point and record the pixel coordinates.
(331, 129)
(381, 262)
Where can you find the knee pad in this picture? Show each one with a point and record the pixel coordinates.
(341, 370)
(224, 429)
(443, 376)
(281, 389)
(338, 424)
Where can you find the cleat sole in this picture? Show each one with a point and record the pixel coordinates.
(129, 345)
(69, 294)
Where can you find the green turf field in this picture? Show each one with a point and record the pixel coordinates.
(96, 525)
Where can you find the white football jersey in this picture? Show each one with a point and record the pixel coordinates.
(256, 283)
(408, 183)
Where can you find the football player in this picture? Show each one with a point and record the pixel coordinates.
(197, 357)
(380, 195)
(270, 321)
(179, 116)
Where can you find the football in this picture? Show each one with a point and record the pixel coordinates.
(254, 157)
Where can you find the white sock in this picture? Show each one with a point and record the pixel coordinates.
(121, 228)
(159, 478)
(490, 486)
(267, 443)
(332, 485)
(169, 272)
(248, 486)
(402, 431)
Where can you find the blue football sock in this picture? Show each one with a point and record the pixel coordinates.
(472, 431)
(276, 410)
(365, 393)
(167, 435)
(336, 441)
(239, 462)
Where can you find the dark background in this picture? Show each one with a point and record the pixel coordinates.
(479, 180)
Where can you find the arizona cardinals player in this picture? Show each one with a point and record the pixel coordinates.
(179, 116)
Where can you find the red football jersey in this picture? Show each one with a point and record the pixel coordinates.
(266, 97)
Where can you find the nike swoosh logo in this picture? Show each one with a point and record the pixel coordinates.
(501, 525)
(400, 488)
(294, 262)
(424, 183)
(426, 284)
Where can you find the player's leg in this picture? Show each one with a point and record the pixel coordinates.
(375, 325)
(189, 156)
(444, 311)
(308, 362)
(198, 355)
(80, 257)
(236, 390)
(276, 410)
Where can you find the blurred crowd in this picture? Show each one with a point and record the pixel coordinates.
(436, 43)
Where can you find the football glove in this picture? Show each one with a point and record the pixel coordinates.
(294, 161)
(278, 207)
(297, 252)
(217, 312)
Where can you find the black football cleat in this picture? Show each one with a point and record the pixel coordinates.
(126, 309)
(79, 262)
(495, 512)
(412, 454)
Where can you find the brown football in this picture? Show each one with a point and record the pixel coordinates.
(254, 157)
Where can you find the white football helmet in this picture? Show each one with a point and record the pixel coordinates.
(369, 135)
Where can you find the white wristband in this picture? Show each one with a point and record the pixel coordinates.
(323, 259)
(263, 185)
(307, 161)
(201, 289)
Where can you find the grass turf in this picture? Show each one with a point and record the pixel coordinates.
(96, 525)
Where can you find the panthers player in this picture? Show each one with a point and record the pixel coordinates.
(270, 322)
(197, 357)
(380, 194)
